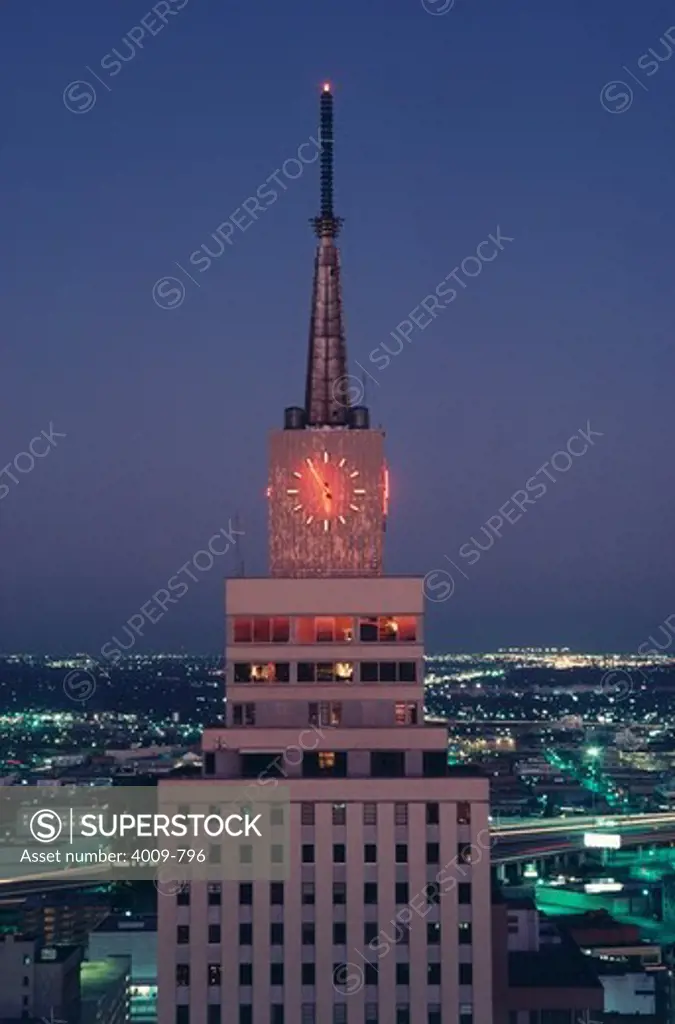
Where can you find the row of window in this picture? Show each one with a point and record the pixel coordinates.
(371, 930)
(432, 813)
(325, 672)
(308, 974)
(433, 853)
(328, 713)
(308, 896)
(318, 629)
(340, 1015)
(382, 764)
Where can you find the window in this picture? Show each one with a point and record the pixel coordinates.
(371, 1015)
(243, 714)
(183, 896)
(276, 934)
(308, 895)
(209, 763)
(214, 894)
(339, 933)
(308, 935)
(464, 812)
(370, 853)
(182, 1015)
(324, 629)
(183, 935)
(308, 853)
(267, 672)
(433, 974)
(372, 974)
(339, 853)
(325, 713)
(339, 814)
(245, 934)
(464, 853)
(277, 893)
(434, 764)
(434, 1014)
(388, 671)
(370, 892)
(325, 672)
(340, 1013)
(433, 893)
(277, 1013)
(245, 974)
(465, 933)
(433, 853)
(466, 974)
(405, 714)
(182, 975)
(400, 814)
(339, 892)
(402, 892)
(213, 973)
(276, 974)
(261, 630)
(464, 892)
(466, 1013)
(308, 974)
(433, 814)
(245, 1013)
(308, 1013)
(433, 933)
(370, 931)
(387, 764)
(307, 814)
(402, 1013)
(214, 934)
(245, 894)
(402, 974)
(388, 629)
(401, 853)
(370, 814)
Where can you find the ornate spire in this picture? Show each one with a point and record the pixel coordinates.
(326, 403)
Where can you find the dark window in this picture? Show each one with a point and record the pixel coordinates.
(245, 894)
(402, 974)
(433, 974)
(434, 764)
(372, 974)
(214, 934)
(213, 1013)
(245, 974)
(245, 1013)
(242, 672)
(465, 938)
(369, 671)
(370, 931)
(433, 853)
(245, 934)
(339, 814)
(276, 893)
(306, 672)
(183, 934)
(407, 671)
(308, 893)
(403, 1014)
(308, 974)
(370, 814)
(387, 671)
(339, 933)
(183, 896)
(306, 814)
(276, 934)
(464, 812)
(433, 814)
(434, 1014)
(243, 714)
(370, 853)
(464, 892)
(256, 766)
(182, 974)
(402, 892)
(466, 974)
(209, 764)
(433, 933)
(277, 1013)
(339, 853)
(371, 1013)
(370, 892)
(276, 974)
(182, 1015)
(464, 853)
(433, 892)
(387, 764)
(401, 853)
(213, 973)
(308, 853)
(214, 894)
(308, 935)
(368, 631)
(339, 892)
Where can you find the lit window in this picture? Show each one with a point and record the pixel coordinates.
(325, 630)
(344, 671)
(243, 631)
(304, 630)
(344, 630)
(261, 630)
(281, 630)
(339, 814)
(405, 714)
(326, 760)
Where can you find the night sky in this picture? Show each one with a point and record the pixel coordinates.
(448, 127)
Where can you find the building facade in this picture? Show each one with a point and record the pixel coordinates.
(385, 915)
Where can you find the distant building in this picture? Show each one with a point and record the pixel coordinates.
(104, 986)
(134, 936)
(44, 980)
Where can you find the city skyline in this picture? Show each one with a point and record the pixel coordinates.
(153, 448)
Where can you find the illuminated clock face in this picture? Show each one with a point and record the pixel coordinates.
(326, 491)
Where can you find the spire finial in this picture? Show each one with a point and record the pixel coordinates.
(326, 225)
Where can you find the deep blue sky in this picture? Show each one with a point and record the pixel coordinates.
(447, 126)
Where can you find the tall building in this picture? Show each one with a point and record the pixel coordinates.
(385, 915)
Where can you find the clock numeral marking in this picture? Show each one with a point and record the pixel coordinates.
(326, 456)
(342, 519)
(355, 473)
(309, 519)
(298, 475)
(355, 508)
(341, 463)
(359, 490)
(326, 525)
(294, 490)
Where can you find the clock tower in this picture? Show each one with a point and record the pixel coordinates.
(328, 481)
